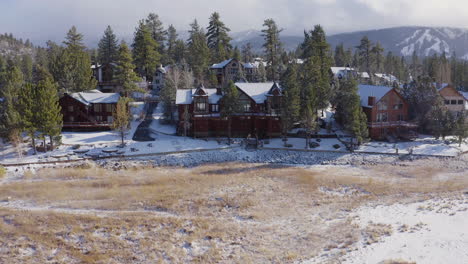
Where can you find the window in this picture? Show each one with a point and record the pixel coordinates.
(246, 107)
(215, 108)
(400, 117)
(110, 119)
(453, 102)
(200, 107)
(97, 108)
(70, 108)
(99, 118)
(447, 102)
(382, 105)
(398, 105)
(233, 71)
(71, 118)
(460, 102)
(109, 108)
(382, 117)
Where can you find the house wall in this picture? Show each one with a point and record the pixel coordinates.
(76, 114)
(378, 130)
(451, 96)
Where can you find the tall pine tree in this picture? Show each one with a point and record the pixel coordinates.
(218, 39)
(231, 106)
(199, 53)
(145, 51)
(108, 47)
(125, 75)
(291, 103)
(273, 48)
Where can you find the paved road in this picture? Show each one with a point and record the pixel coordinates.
(142, 132)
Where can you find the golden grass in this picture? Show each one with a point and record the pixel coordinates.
(2, 172)
(224, 213)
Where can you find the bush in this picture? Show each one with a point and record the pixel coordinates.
(337, 146)
(3, 171)
(288, 145)
(318, 140)
(77, 146)
(314, 145)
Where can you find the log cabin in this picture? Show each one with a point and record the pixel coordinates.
(88, 111)
(199, 111)
(234, 70)
(387, 113)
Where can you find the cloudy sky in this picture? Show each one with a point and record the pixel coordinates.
(40, 20)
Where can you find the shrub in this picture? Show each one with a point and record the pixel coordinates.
(337, 146)
(288, 145)
(2, 171)
(318, 140)
(314, 145)
(77, 146)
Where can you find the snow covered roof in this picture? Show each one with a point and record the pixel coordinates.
(465, 94)
(249, 65)
(364, 75)
(221, 64)
(341, 71)
(96, 97)
(387, 77)
(440, 86)
(366, 91)
(185, 96)
(257, 91)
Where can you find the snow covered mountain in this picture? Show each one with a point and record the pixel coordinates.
(425, 41)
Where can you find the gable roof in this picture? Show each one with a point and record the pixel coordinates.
(257, 91)
(221, 64)
(340, 71)
(185, 96)
(366, 91)
(96, 98)
(465, 94)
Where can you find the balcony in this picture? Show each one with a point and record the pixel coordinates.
(392, 124)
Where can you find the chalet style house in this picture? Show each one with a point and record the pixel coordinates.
(233, 70)
(88, 110)
(104, 75)
(455, 101)
(387, 113)
(199, 111)
(159, 77)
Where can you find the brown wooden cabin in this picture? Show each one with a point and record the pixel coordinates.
(455, 101)
(387, 113)
(199, 111)
(104, 74)
(88, 111)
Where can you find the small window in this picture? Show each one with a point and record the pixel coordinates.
(99, 118)
(246, 107)
(447, 102)
(109, 108)
(453, 102)
(70, 108)
(382, 105)
(398, 105)
(110, 119)
(215, 108)
(460, 102)
(71, 118)
(400, 117)
(382, 117)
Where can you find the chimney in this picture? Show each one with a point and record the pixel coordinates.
(371, 101)
(219, 91)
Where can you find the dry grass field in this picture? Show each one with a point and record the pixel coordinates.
(225, 213)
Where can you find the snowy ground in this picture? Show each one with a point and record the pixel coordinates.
(299, 144)
(431, 232)
(424, 145)
(157, 126)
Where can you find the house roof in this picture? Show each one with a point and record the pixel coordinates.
(366, 91)
(96, 97)
(249, 65)
(257, 91)
(465, 94)
(185, 96)
(387, 77)
(221, 64)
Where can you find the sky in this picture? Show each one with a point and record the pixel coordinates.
(41, 20)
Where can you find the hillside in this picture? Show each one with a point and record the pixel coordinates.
(425, 41)
(10, 46)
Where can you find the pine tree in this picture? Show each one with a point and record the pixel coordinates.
(171, 45)
(199, 53)
(125, 76)
(28, 112)
(145, 51)
(107, 47)
(230, 106)
(236, 54)
(273, 48)
(122, 118)
(364, 52)
(10, 86)
(27, 67)
(49, 111)
(73, 65)
(377, 58)
(291, 103)
(310, 81)
(340, 56)
(260, 75)
(158, 33)
(218, 39)
(247, 54)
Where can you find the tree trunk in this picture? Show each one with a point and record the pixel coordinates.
(51, 143)
(229, 130)
(122, 137)
(33, 141)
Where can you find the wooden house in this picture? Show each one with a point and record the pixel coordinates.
(199, 111)
(234, 70)
(387, 113)
(88, 110)
(455, 101)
